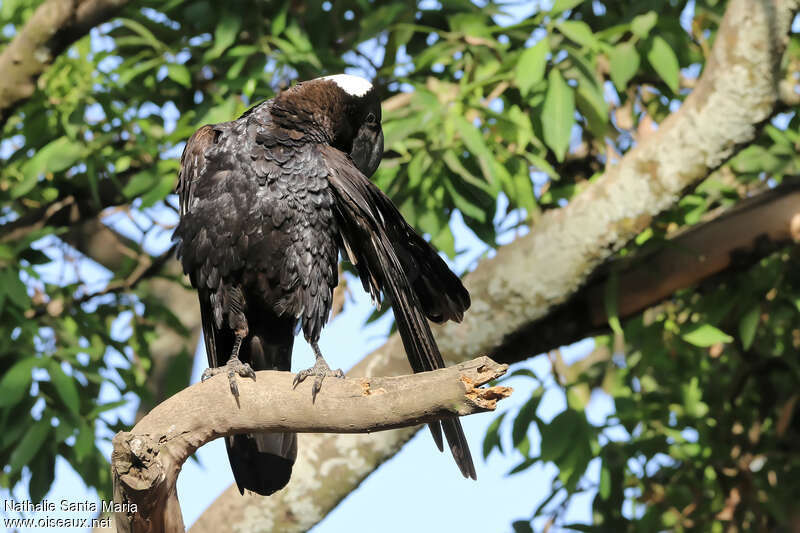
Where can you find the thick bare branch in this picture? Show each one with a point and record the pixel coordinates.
(737, 92)
(54, 26)
(146, 461)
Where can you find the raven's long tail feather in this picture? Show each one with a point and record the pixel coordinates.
(424, 355)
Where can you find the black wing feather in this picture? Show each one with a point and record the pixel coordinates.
(383, 246)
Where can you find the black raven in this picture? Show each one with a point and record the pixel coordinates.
(267, 201)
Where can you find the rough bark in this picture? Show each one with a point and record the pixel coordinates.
(54, 26)
(146, 461)
(737, 92)
(732, 239)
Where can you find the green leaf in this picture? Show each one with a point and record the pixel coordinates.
(13, 288)
(473, 139)
(527, 463)
(706, 335)
(105, 407)
(557, 435)
(279, 21)
(563, 5)
(463, 204)
(492, 438)
(604, 491)
(558, 114)
(132, 72)
(664, 62)
(179, 74)
(139, 183)
(473, 24)
(527, 414)
(623, 64)
(56, 156)
(84, 442)
(29, 445)
(693, 398)
(16, 381)
(578, 32)
(42, 475)
(592, 105)
(65, 386)
(531, 65)
(146, 35)
(572, 464)
(454, 164)
(521, 526)
(748, 325)
(444, 241)
(221, 112)
(642, 24)
(160, 190)
(225, 35)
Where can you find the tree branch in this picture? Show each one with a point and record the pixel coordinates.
(736, 93)
(735, 238)
(54, 26)
(146, 461)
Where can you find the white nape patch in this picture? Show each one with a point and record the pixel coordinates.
(352, 85)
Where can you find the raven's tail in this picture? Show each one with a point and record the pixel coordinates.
(261, 462)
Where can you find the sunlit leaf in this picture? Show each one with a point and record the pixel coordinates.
(56, 156)
(579, 32)
(664, 62)
(563, 5)
(642, 24)
(531, 65)
(180, 74)
(706, 335)
(624, 63)
(224, 35)
(558, 114)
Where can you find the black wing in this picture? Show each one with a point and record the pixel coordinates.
(219, 237)
(194, 243)
(385, 249)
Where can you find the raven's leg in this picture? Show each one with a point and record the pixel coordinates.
(233, 367)
(320, 370)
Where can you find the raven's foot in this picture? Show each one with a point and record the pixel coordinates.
(233, 368)
(321, 370)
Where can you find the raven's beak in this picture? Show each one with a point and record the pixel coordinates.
(376, 155)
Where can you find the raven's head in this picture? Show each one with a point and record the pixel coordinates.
(343, 110)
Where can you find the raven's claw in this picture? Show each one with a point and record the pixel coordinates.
(320, 370)
(233, 367)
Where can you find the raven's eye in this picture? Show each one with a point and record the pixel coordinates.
(371, 118)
